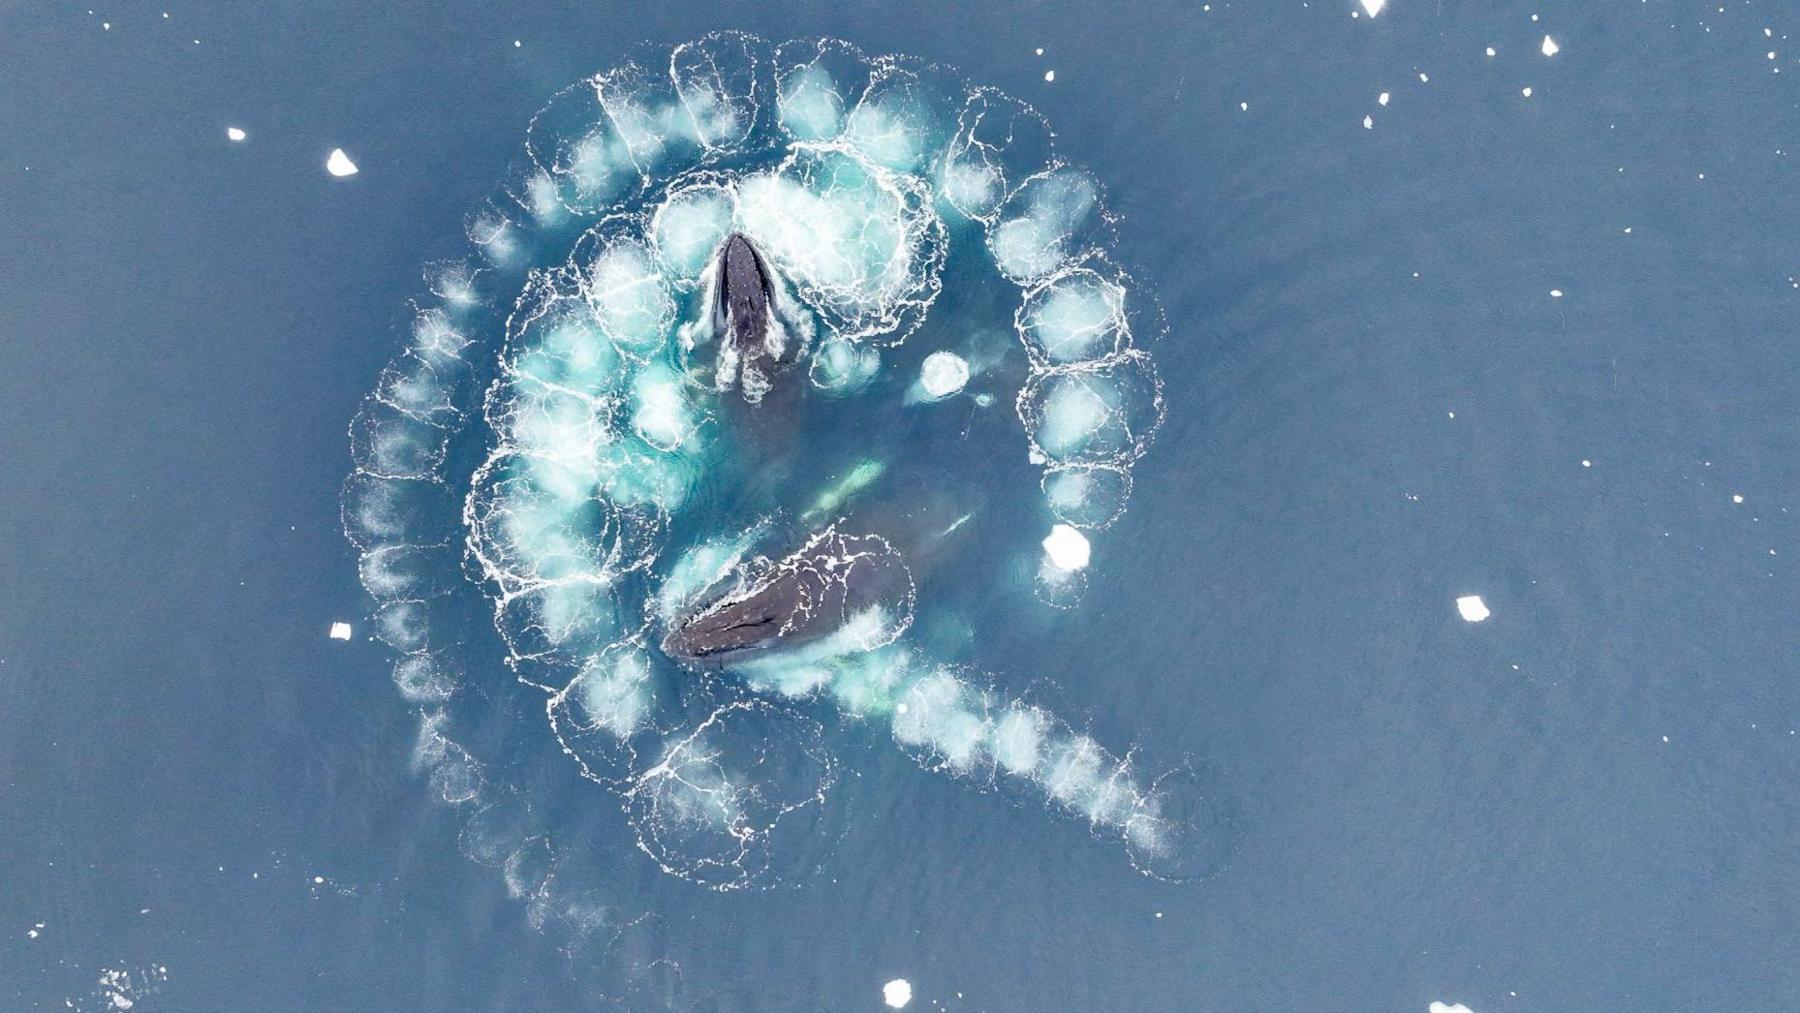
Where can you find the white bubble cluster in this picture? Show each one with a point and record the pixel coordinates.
(556, 424)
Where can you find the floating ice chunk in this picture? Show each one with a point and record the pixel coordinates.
(897, 993)
(1449, 1007)
(1373, 7)
(1049, 75)
(235, 133)
(1067, 548)
(340, 631)
(339, 164)
(1550, 47)
(943, 374)
(1473, 609)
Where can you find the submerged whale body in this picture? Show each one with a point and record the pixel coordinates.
(747, 319)
(839, 592)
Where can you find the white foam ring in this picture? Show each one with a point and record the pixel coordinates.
(853, 176)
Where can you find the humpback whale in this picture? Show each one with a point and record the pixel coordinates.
(746, 318)
(854, 586)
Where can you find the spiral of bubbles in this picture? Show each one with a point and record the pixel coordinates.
(561, 433)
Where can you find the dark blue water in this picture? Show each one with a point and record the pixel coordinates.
(1376, 405)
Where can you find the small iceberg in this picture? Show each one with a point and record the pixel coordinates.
(339, 164)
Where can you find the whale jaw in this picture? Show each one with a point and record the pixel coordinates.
(747, 319)
(832, 584)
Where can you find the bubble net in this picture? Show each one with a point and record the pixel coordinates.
(557, 422)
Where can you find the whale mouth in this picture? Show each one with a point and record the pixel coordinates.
(757, 333)
(848, 591)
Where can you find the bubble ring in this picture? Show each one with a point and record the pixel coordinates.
(855, 176)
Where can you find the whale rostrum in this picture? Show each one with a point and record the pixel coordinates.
(756, 334)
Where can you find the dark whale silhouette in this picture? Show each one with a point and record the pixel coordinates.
(818, 590)
(747, 318)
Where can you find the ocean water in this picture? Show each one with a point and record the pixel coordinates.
(1421, 336)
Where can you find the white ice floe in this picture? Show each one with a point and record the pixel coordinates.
(340, 631)
(897, 993)
(1373, 7)
(943, 374)
(339, 164)
(1067, 548)
(1449, 1007)
(1550, 47)
(1473, 609)
(235, 133)
(1049, 75)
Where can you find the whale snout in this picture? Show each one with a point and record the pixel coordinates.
(833, 583)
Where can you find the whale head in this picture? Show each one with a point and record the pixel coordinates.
(835, 586)
(747, 317)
